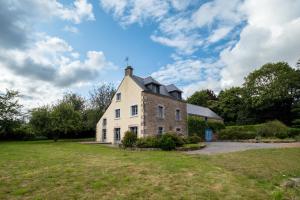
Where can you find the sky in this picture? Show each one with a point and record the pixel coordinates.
(49, 48)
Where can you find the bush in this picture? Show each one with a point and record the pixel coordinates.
(293, 132)
(191, 147)
(176, 138)
(273, 129)
(23, 132)
(129, 139)
(236, 134)
(167, 142)
(194, 139)
(215, 125)
(148, 142)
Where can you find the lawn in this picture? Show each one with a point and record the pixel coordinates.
(69, 170)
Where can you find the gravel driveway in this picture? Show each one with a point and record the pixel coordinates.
(225, 147)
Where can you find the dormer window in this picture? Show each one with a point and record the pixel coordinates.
(118, 96)
(154, 88)
(176, 94)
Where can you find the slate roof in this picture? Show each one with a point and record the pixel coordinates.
(201, 111)
(164, 89)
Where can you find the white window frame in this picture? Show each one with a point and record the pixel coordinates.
(161, 115)
(162, 130)
(137, 129)
(117, 117)
(132, 110)
(118, 96)
(117, 139)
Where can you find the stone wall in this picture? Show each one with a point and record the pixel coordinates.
(151, 121)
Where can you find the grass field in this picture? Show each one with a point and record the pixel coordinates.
(69, 170)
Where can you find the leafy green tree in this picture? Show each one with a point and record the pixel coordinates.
(202, 98)
(77, 101)
(229, 104)
(270, 92)
(65, 120)
(10, 112)
(91, 117)
(41, 121)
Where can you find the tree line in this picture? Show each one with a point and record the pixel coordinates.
(73, 116)
(268, 93)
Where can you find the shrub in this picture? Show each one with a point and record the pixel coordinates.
(293, 132)
(236, 134)
(129, 139)
(148, 142)
(273, 129)
(191, 147)
(167, 142)
(24, 132)
(176, 138)
(194, 139)
(215, 125)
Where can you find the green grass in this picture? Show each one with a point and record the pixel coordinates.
(69, 170)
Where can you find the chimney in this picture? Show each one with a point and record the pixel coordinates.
(128, 71)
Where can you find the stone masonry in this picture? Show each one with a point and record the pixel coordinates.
(151, 121)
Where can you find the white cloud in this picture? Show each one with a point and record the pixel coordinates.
(218, 34)
(71, 29)
(267, 37)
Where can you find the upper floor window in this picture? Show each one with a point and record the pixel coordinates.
(117, 113)
(118, 96)
(134, 110)
(104, 122)
(161, 111)
(156, 89)
(177, 115)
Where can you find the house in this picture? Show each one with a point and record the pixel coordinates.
(146, 107)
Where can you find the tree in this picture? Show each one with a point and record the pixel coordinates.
(229, 104)
(10, 112)
(270, 92)
(202, 98)
(41, 121)
(77, 101)
(65, 120)
(101, 97)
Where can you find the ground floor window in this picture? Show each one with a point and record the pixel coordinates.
(117, 134)
(103, 134)
(134, 129)
(178, 130)
(160, 130)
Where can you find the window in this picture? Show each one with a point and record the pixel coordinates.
(118, 98)
(161, 112)
(160, 130)
(178, 130)
(156, 89)
(117, 113)
(104, 122)
(177, 115)
(103, 134)
(134, 110)
(134, 129)
(117, 134)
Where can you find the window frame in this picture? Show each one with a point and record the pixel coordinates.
(118, 96)
(117, 139)
(117, 117)
(134, 127)
(132, 109)
(162, 114)
(104, 134)
(160, 132)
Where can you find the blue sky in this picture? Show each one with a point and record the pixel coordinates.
(49, 48)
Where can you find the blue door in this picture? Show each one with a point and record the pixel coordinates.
(208, 135)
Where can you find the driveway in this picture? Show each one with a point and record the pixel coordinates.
(225, 147)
